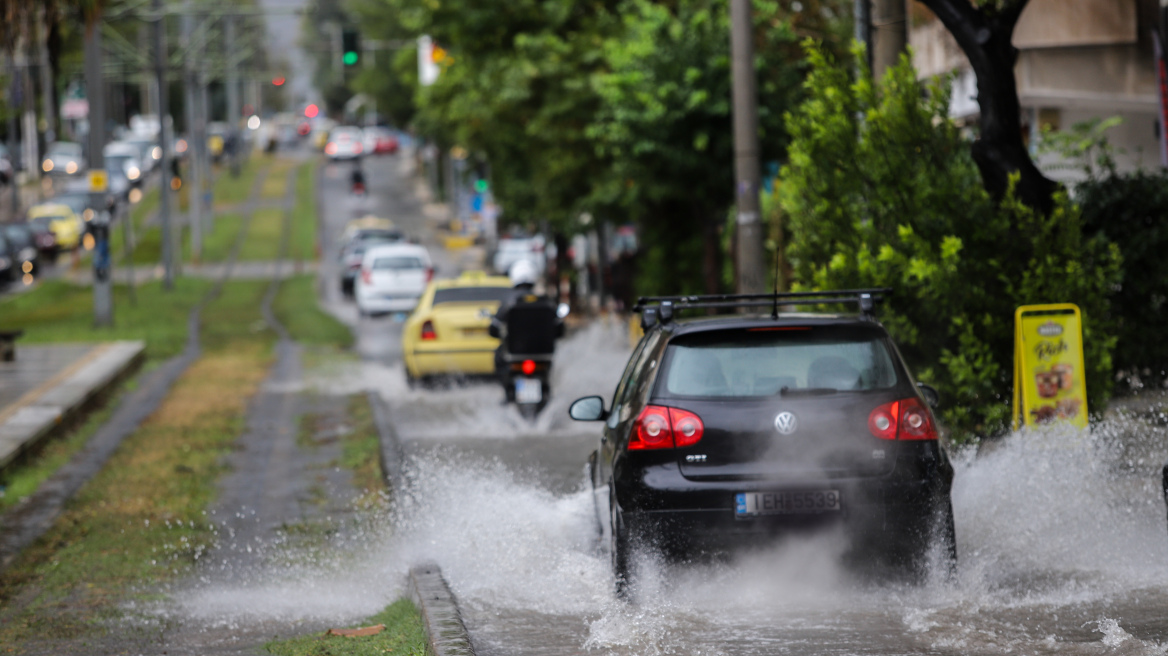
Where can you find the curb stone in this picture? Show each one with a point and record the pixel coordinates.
(390, 453)
(445, 632)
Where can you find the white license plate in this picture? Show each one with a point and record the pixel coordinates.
(528, 390)
(747, 504)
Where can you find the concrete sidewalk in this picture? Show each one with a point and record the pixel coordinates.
(50, 383)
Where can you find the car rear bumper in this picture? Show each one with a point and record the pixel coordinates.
(452, 360)
(667, 507)
(380, 304)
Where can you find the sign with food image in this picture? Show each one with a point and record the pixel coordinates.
(1048, 365)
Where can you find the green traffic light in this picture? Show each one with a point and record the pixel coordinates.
(350, 58)
(481, 186)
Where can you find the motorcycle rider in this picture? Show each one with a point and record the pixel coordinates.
(523, 276)
(357, 179)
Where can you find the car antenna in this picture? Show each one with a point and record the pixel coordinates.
(775, 307)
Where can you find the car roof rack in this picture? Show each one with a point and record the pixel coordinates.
(660, 309)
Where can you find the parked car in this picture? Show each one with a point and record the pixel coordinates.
(59, 219)
(63, 158)
(8, 269)
(392, 278)
(344, 143)
(736, 429)
(23, 242)
(380, 141)
(448, 332)
(512, 249)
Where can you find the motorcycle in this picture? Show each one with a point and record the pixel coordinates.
(528, 348)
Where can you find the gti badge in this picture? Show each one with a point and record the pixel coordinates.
(786, 423)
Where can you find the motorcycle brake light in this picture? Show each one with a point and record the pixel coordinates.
(528, 367)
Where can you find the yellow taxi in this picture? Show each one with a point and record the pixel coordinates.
(61, 220)
(447, 332)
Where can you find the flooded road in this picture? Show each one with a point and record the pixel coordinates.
(1061, 536)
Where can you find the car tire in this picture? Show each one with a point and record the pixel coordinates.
(934, 544)
(412, 381)
(621, 551)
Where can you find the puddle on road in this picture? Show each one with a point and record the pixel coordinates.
(1062, 543)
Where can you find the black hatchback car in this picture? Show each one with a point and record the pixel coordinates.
(730, 430)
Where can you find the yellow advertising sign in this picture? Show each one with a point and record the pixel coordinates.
(1049, 382)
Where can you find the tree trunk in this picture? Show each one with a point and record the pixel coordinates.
(985, 34)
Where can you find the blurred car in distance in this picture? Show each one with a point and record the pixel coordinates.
(6, 168)
(512, 249)
(66, 226)
(392, 278)
(447, 334)
(8, 269)
(63, 158)
(344, 143)
(23, 243)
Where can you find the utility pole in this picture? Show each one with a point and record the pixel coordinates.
(164, 161)
(889, 35)
(863, 20)
(232, 96)
(103, 298)
(49, 93)
(194, 184)
(751, 267)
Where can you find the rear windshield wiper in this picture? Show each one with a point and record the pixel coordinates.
(809, 391)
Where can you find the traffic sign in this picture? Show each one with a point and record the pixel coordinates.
(98, 181)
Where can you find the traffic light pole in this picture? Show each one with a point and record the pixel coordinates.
(232, 96)
(103, 301)
(194, 186)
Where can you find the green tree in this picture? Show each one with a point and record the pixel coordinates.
(881, 190)
(665, 123)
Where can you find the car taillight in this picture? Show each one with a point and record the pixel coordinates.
(367, 276)
(687, 427)
(429, 274)
(357, 148)
(330, 149)
(428, 332)
(659, 427)
(906, 419)
(652, 430)
(528, 367)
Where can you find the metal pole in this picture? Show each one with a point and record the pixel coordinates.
(863, 19)
(49, 93)
(194, 184)
(751, 267)
(13, 187)
(232, 96)
(164, 145)
(103, 298)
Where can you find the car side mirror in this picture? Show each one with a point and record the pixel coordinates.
(493, 331)
(589, 408)
(932, 396)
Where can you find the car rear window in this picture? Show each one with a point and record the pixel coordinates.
(762, 362)
(398, 262)
(470, 294)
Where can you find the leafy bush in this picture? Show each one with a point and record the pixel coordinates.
(880, 191)
(1131, 210)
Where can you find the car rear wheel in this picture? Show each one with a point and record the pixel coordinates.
(622, 553)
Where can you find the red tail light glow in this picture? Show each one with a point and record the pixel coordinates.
(528, 367)
(906, 419)
(659, 427)
(367, 276)
(428, 332)
(429, 274)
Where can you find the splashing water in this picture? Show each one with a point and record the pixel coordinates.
(1062, 544)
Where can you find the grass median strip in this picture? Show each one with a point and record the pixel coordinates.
(302, 241)
(276, 184)
(141, 520)
(58, 311)
(403, 634)
(218, 242)
(262, 242)
(305, 321)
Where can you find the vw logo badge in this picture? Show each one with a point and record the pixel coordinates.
(786, 423)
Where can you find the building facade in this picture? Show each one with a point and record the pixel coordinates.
(1078, 60)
